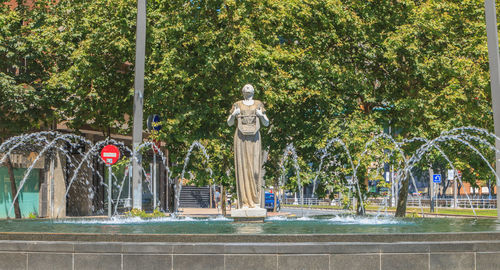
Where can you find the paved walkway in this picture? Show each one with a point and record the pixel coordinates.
(204, 212)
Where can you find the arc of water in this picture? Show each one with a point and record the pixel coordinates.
(479, 154)
(91, 151)
(398, 148)
(59, 137)
(88, 143)
(408, 168)
(483, 158)
(432, 143)
(402, 153)
(186, 161)
(23, 138)
(120, 190)
(290, 150)
(160, 153)
(459, 177)
(320, 166)
(479, 140)
(472, 129)
(27, 173)
(355, 178)
(87, 155)
(449, 162)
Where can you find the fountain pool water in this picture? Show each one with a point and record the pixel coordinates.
(326, 224)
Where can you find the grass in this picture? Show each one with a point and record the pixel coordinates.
(415, 210)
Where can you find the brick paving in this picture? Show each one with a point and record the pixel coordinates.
(204, 212)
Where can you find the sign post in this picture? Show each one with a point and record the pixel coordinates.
(110, 155)
(451, 177)
(436, 180)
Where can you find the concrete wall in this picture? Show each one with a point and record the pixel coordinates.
(53, 189)
(53, 202)
(307, 255)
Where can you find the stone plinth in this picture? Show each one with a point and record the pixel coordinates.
(249, 214)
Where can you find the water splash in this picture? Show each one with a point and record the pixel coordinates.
(51, 144)
(365, 220)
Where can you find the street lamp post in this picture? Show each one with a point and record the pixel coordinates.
(494, 60)
(140, 52)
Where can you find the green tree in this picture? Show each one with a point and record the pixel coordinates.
(24, 102)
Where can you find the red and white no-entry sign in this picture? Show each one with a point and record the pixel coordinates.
(110, 154)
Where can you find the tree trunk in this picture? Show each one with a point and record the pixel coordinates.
(403, 197)
(275, 199)
(360, 211)
(223, 200)
(211, 195)
(13, 187)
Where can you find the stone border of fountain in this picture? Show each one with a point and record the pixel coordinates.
(111, 251)
(252, 238)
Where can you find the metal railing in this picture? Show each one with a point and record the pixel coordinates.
(449, 202)
(307, 201)
(412, 202)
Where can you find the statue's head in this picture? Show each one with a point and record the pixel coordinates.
(247, 91)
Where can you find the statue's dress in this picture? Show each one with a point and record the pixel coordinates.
(247, 154)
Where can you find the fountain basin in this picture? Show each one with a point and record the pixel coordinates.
(310, 243)
(178, 251)
(316, 225)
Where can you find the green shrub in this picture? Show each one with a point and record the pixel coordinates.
(142, 214)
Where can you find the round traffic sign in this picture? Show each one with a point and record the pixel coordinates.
(110, 154)
(156, 122)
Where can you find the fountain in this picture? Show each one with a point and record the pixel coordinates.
(376, 234)
(48, 146)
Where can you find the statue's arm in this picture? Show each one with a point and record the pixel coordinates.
(234, 112)
(264, 120)
(261, 112)
(230, 120)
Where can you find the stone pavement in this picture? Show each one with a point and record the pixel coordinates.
(205, 212)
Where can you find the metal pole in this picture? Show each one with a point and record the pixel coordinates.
(109, 189)
(140, 52)
(129, 186)
(154, 180)
(431, 189)
(302, 200)
(52, 186)
(455, 189)
(436, 190)
(390, 172)
(391, 177)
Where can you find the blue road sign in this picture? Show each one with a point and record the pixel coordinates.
(436, 178)
(156, 123)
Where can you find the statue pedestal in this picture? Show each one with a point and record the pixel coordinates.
(256, 214)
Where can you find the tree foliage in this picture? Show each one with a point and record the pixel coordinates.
(323, 68)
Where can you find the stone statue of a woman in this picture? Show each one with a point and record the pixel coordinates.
(250, 114)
